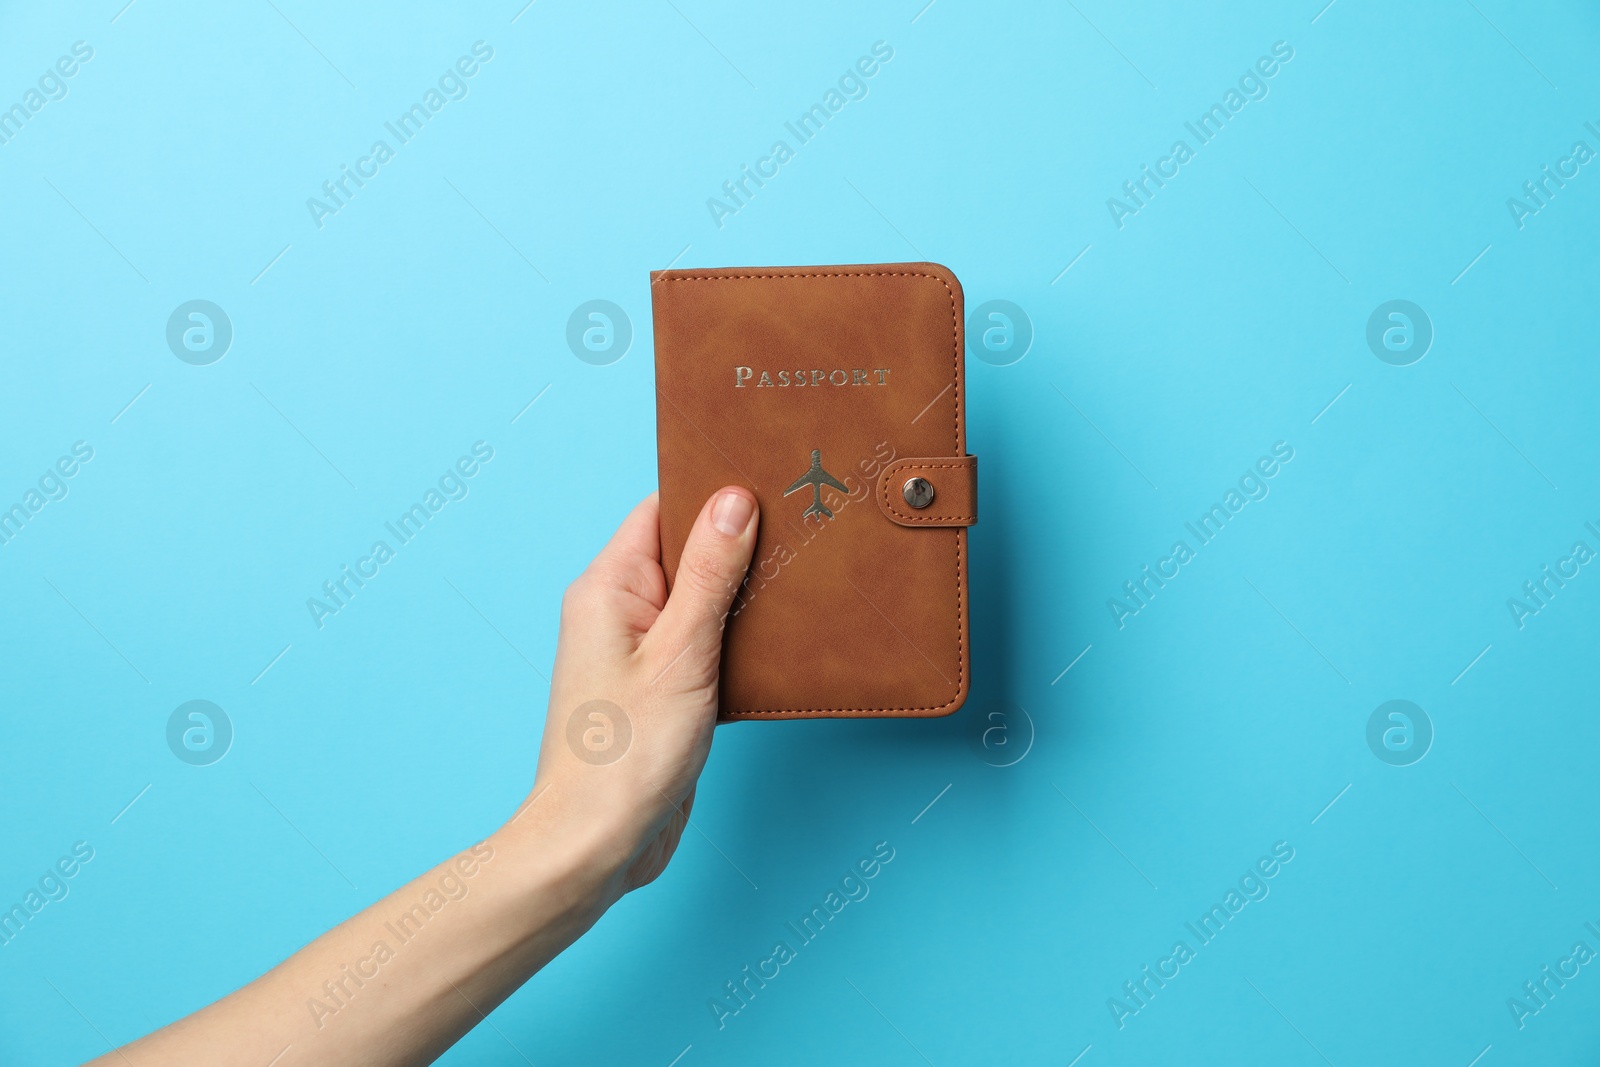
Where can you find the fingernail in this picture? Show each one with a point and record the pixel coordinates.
(731, 513)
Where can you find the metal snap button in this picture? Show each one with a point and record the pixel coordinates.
(918, 492)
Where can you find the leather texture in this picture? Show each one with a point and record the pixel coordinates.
(814, 387)
(955, 491)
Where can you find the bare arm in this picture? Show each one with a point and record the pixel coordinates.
(633, 701)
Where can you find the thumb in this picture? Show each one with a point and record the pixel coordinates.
(713, 563)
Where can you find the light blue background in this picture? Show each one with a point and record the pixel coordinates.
(1225, 316)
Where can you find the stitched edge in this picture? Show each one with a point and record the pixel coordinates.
(901, 466)
(836, 274)
(961, 531)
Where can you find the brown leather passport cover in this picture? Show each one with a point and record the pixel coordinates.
(825, 390)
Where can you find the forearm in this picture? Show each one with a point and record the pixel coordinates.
(633, 704)
(403, 980)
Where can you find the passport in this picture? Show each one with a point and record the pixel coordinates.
(836, 396)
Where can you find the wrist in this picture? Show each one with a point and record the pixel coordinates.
(579, 854)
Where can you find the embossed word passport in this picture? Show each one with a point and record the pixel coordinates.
(835, 394)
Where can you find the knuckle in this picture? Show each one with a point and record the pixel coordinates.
(602, 574)
(576, 596)
(705, 572)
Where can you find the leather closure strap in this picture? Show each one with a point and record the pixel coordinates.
(955, 491)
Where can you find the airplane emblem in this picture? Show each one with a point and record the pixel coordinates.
(816, 478)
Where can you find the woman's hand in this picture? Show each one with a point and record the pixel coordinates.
(633, 698)
(633, 701)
